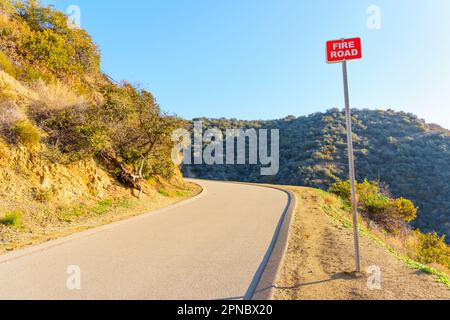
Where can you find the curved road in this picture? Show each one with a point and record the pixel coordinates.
(209, 247)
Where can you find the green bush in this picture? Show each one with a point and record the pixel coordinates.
(432, 249)
(391, 214)
(44, 45)
(367, 189)
(341, 189)
(25, 133)
(363, 189)
(376, 203)
(12, 219)
(405, 209)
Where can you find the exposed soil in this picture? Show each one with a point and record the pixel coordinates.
(320, 260)
(45, 222)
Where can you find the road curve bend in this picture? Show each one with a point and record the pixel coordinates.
(209, 247)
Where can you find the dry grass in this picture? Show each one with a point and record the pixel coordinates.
(57, 96)
(13, 90)
(9, 114)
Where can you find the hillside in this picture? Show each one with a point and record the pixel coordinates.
(74, 145)
(409, 156)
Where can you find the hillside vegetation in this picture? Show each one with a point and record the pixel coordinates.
(68, 133)
(408, 157)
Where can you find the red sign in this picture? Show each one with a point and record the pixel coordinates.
(344, 49)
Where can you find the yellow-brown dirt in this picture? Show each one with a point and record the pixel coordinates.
(320, 259)
(78, 196)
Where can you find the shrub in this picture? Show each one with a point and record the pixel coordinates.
(43, 194)
(12, 219)
(405, 209)
(432, 249)
(26, 133)
(341, 189)
(41, 40)
(391, 214)
(376, 203)
(62, 129)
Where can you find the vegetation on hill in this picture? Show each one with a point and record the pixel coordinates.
(72, 141)
(74, 111)
(390, 217)
(403, 153)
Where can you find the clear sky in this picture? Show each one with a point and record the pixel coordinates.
(261, 59)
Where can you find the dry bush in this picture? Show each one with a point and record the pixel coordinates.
(57, 96)
(9, 114)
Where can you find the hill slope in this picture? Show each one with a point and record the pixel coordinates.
(408, 155)
(73, 143)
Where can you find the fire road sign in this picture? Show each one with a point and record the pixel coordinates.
(343, 50)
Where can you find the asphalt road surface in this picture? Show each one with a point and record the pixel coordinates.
(209, 247)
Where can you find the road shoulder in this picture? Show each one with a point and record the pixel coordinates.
(262, 285)
(319, 262)
(66, 231)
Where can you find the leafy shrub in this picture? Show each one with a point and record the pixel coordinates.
(363, 189)
(341, 189)
(62, 128)
(41, 41)
(391, 214)
(12, 219)
(25, 133)
(432, 249)
(376, 203)
(405, 209)
(95, 135)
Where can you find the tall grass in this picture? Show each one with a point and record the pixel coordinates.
(9, 114)
(57, 96)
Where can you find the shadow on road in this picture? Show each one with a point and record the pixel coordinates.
(334, 277)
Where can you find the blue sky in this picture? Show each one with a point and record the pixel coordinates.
(260, 59)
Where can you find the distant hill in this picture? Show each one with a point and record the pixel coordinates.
(398, 149)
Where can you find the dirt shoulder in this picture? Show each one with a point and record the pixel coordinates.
(45, 222)
(319, 262)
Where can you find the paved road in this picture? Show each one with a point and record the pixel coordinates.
(209, 247)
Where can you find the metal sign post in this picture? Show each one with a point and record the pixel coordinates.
(340, 51)
(351, 166)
